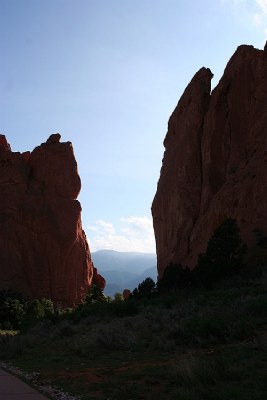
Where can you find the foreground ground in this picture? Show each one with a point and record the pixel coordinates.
(189, 345)
(13, 388)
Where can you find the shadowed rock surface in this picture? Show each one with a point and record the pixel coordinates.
(43, 248)
(215, 160)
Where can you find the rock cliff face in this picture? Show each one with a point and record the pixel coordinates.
(43, 248)
(215, 160)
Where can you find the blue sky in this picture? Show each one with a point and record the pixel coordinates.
(107, 74)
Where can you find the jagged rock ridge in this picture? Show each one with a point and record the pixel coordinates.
(43, 248)
(215, 160)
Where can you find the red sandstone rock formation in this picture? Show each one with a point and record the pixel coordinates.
(98, 279)
(43, 248)
(215, 160)
(126, 294)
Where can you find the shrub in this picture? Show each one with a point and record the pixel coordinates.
(145, 289)
(124, 308)
(260, 238)
(11, 313)
(114, 339)
(40, 309)
(224, 255)
(95, 295)
(223, 259)
(37, 310)
(10, 347)
(118, 297)
(12, 309)
(174, 277)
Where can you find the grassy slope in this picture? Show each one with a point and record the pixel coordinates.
(198, 345)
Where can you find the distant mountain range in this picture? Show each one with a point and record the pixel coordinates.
(124, 269)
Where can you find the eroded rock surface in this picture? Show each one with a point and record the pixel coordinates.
(215, 160)
(43, 248)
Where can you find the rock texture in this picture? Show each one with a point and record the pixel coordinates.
(215, 160)
(98, 279)
(43, 248)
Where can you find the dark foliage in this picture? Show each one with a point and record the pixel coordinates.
(175, 277)
(145, 289)
(98, 305)
(223, 259)
(224, 255)
(16, 312)
(95, 295)
(12, 309)
(261, 239)
(36, 311)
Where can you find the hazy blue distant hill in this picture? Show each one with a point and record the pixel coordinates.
(107, 260)
(124, 270)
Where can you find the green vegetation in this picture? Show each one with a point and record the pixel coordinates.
(223, 260)
(224, 255)
(16, 312)
(195, 344)
(12, 309)
(145, 289)
(186, 338)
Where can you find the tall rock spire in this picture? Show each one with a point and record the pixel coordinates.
(43, 248)
(214, 164)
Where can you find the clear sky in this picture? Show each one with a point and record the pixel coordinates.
(107, 74)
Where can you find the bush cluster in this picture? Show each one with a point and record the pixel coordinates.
(12, 309)
(145, 289)
(16, 312)
(96, 303)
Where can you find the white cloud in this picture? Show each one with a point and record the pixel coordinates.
(105, 227)
(91, 228)
(233, 2)
(255, 10)
(263, 5)
(131, 234)
(257, 19)
(137, 225)
(260, 17)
